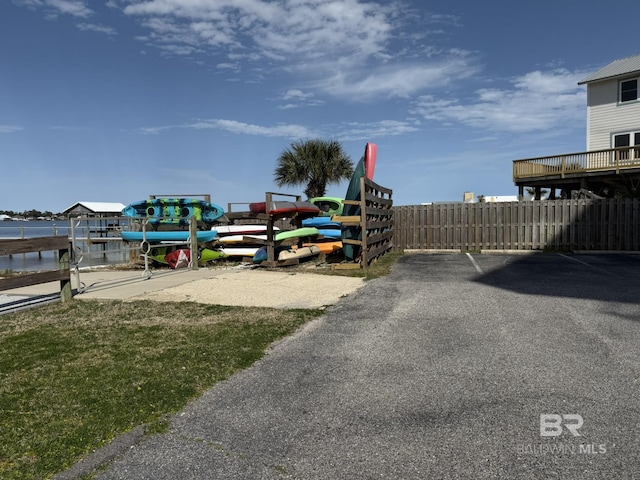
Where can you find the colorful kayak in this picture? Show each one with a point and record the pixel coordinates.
(239, 251)
(280, 236)
(297, 233)
(283, 208)
(180, 258)
(330, 233)
(326, 247)
(173, 211)
(351, 252)
(328, 205)
(370, 154)
(261, 254)
(298, 253)
(169, 236)
(247, 239)
(320, 222)
(159, 253)
(365, 167)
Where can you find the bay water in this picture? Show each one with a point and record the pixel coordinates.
(111, 252)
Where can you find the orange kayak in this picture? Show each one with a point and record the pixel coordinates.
(326, 247)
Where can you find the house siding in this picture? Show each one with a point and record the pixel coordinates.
(605, 116)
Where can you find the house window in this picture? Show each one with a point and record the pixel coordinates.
(629, 90)
(631, 139)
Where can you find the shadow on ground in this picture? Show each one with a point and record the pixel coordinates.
(608, 278)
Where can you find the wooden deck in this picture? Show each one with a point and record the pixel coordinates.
(591, 170)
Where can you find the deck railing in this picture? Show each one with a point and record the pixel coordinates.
(612, 160)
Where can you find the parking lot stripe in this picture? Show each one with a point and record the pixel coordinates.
(475, 264)
(589, 265)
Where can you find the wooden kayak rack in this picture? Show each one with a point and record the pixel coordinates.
(270, 221)
(374, 224)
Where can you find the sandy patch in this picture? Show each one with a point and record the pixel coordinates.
(258, 288)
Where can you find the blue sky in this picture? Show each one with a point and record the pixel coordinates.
(117, 100)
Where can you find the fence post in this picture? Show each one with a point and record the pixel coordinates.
(65, 283)
(193, 238)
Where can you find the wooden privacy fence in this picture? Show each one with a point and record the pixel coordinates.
(39, 244)
(585, 224)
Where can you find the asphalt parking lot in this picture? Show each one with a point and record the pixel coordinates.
(453, 366)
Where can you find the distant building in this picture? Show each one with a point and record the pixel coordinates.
(497, 198)
(94, 209)
(469, 197)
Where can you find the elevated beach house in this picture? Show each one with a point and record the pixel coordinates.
(611, 165)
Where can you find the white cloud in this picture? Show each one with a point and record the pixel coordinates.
(383, 128)
(234, 126)
(363, 43)
(342, 131)
(92, 27)
(352, 49)
(536, 101)
(399, 80)
(10, 128)
(76, 8)
(297, 99)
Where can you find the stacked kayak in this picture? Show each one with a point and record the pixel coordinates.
(164, 236)
(173, 211)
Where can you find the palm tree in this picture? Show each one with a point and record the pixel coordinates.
(315, 163)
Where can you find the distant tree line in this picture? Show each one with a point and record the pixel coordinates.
(29, 213)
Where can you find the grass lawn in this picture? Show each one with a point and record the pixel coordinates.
(75, 375)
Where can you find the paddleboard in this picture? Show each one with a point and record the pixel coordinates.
(173, 211)
(169, 236)
(328, 205)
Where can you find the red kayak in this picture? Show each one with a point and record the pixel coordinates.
(180, 258)
(284, 208)
(370, 154)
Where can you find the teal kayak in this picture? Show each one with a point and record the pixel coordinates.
(173, 211)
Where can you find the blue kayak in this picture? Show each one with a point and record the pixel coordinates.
(320, 222)
(334, 233)
(170, 236)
